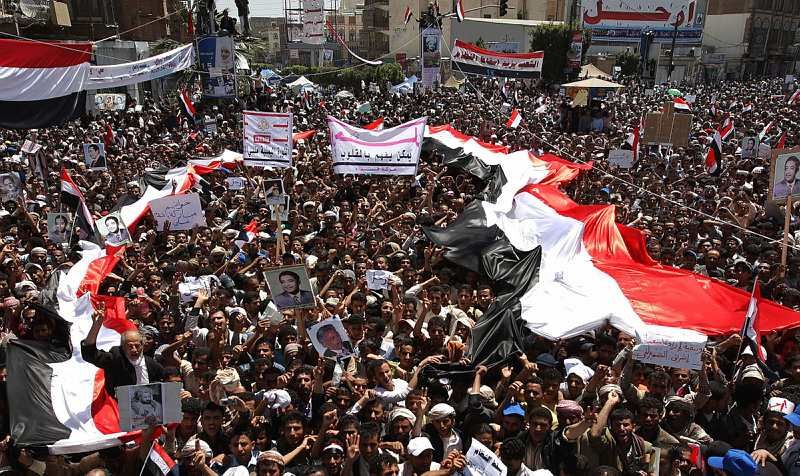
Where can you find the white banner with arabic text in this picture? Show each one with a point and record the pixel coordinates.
(125, 74)
(392, 151)
(267, 139)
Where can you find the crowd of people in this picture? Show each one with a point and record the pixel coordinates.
(258, 398)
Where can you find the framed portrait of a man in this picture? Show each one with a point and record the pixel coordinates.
(94, 156)
(749, 147)
(58, 227)
(290, 287)
(10, 186)
(147, 405)
(330, 339)
(273, 190)
(784, 175)
(113, 230)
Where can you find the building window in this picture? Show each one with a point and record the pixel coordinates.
(90, 11)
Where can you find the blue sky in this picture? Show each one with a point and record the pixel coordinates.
(258, 8)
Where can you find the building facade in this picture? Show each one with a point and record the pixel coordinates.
(272, 32)
(751, 38)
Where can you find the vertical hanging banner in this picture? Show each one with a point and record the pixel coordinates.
(313, 22)
(575, 52)
(431, 56)
(267, 139)
(392, 151)
(218, 59)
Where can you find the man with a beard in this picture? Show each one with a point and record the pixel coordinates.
(648, 418)
(678, 421)
(612, 441)
(774, 439)
(293, 443)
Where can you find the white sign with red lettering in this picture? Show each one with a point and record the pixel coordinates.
(267, 139)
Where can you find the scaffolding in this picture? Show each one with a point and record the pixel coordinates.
(293, 22)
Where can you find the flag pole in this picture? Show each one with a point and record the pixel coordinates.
(74, 219)
(787, 221)
(147, 457)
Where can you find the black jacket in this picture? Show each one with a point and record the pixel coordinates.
(119, 371)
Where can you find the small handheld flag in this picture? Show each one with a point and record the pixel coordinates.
(408, 16)
(459, 10)
(680, 104)
(514, 121)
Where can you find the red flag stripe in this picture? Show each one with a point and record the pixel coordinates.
(41, 54)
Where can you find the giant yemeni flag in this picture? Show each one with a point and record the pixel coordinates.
(592, 270)
(41, 83)
(56, 398)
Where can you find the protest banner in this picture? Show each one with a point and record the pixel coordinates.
(670, 347)
(182, 212)
(30, 147)
(148, 405)
(469, 58)
(125, 74)
(267, 139)
(392, 151)
(621, 158)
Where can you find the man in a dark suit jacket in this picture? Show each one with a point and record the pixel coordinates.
(125, 364)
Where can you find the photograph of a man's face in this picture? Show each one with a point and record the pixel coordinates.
(784, 176)
(330, 339)
(290, 287)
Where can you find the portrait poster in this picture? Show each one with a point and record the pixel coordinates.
(290, 287)
(148, 405)
(10, 186)
(59, 227)
(109, 102)
(330, 339)
(783, 175)
(284, 211)
(217, 57)
(431, 57)
(749, 147)
(94, 156)
(274, 192)
(113, 229)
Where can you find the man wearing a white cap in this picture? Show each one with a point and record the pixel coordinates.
(441, 432)
(420, 458)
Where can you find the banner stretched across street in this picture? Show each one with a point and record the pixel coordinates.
(125, 74)
(469, 58)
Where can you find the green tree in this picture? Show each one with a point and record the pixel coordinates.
(555, 41)
(628, 63)
(480, 43)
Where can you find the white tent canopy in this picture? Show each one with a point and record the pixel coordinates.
(301, 83)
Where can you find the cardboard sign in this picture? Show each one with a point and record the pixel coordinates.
(621, 158)
(667, 127)
(182, 211)
(148, 405)
(378, 279)
(670, 347)
(481, 461)
(236, 183)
